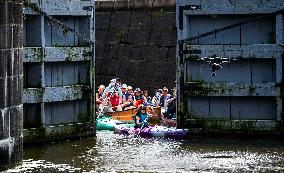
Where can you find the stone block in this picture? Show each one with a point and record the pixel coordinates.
(163, 20)
(14, 93)
(162, 38)
(5, 124)
(14, 62)
(100, 49)
(101, 35)
(102, 20)
(2, 93)
(137, 37)
(120, 20)
(5, 36)
(140, 20)
(16, 121)
(138, 52)
(129, 51)
(15, 13)
(172, 55)
(156, 54)
(113, 50)
(117, 35)
(3, 62)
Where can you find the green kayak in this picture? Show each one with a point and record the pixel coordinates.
(107, 123)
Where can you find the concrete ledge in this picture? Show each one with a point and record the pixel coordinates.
(235, 126)
(53, 94)
(102, 5)
(58, 132)
(232, 89)
(233, 7)
(237, 51)
(61, 7)
(56, 54)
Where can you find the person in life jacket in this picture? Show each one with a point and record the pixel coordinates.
(114, 100)
(141, 118)
(138, 97)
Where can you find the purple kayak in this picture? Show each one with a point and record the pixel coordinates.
(153, 131)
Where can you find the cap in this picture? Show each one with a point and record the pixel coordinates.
(112, 80)
(137, 90)
(129, 87)
(124, 86)
(165, 89)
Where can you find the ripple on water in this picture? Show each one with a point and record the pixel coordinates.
(111, 152)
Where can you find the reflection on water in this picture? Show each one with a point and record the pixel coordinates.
(110, 152)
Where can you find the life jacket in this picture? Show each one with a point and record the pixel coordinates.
(139, 100)
(143, 120)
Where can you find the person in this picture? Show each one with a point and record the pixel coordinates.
(123, 89)
(128, 104)
(141, 118)
(156, 98)
(99, 99)
(147, 98)
(138, 97)
(114, 100)
(163, 100)
(171, 111)
(114, 84)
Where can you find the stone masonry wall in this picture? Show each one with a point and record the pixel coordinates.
(136, 41)
(11, 74)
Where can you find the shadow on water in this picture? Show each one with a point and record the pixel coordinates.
(111, 152)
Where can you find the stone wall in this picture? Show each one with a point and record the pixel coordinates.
(11, 73)
(136, 42)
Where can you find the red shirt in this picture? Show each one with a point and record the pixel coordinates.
(114, 100)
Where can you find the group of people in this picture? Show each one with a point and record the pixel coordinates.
(118, 97)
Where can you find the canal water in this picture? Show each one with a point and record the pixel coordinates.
(109, 152)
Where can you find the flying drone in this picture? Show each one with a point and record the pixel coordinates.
(216, 63)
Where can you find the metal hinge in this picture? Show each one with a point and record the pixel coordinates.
(88, 8)
(187, 7)
(182, 52)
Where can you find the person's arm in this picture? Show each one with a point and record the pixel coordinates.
(106, 91)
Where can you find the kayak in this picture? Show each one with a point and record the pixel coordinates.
(153, 131)
(107, 123)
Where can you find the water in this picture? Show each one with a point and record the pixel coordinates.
(110, 152)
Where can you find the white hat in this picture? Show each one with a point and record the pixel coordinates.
(129, 87)
(124, 86)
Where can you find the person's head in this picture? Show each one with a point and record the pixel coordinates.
(165, 91)
(143, 109)
(111, 92)
(130, 89)
(137, 91)
(115, 93)
(146, 94)
(123, 88)
(101, 88)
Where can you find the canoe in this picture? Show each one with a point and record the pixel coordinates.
(156, 118)
(124, 116)
(153, 131)
(127, 115)
(107, 123)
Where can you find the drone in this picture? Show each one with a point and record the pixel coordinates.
(216, 63)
